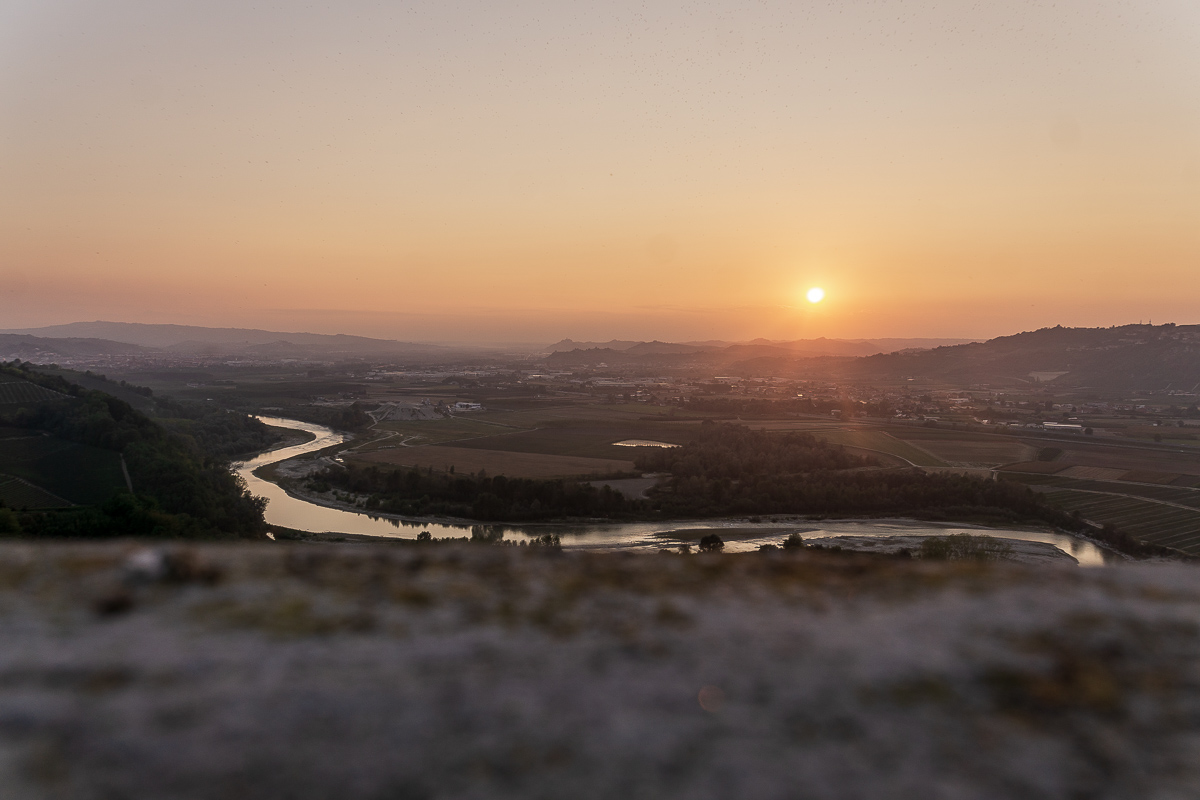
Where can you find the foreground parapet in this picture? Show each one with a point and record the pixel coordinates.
(359, 671)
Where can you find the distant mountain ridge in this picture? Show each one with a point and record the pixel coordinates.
(813, 347)
(1141, 357)
(27, 347)
(1130, 357)
(191, 339)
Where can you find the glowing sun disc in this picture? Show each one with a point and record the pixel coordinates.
(815, 294)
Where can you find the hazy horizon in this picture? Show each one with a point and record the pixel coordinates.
(534, 171)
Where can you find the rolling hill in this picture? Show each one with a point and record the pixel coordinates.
(190, 339)
(1143, 357)
(79, 462)
(732, 351)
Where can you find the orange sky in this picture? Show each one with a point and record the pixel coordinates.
(528, 171)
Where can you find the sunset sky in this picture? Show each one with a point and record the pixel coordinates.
(518, 171)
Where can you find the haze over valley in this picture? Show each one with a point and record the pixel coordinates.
(654, 400)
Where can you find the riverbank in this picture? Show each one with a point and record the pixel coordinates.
(289, 437)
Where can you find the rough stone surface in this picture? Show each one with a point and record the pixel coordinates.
(485, 672)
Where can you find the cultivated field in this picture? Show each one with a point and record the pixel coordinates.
(1166, 494)
(1161, 432)
(1062, 470)
(588, 439)
(1169, 526)
(18, 392)
(872, 439)
(1038, 467)
(967, 449)
(1165, 515)
(866, 441)
(75, 472)
(593, 413)
(97, 382)
(436, 431)
(1131, 458)
(495, 462)
(16, 493)
(1093, 473)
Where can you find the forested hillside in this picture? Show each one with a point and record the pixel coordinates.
(179, 471)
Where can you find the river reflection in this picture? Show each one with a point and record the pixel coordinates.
(739, 536)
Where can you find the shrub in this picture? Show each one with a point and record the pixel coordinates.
(964, 547)
(793, 542)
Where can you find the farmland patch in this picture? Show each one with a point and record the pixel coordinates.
(872, 439)
(1150, 476)
(1152, 522)
(78, 473)
(1095, 473)
(588, 440)
(1133, 458)
(18, 392)
(1036, 467)
(495, 462)
(16, 493)
(435, 431)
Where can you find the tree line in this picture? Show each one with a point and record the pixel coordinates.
(418, 492)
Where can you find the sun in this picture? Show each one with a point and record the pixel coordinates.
(815, 294)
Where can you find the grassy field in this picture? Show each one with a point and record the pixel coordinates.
(794, 425)
(874, 439)
(436, 431)
(75, 472)
(1131, 458)
(594, 413)
(587, 439)
(1163, 432)
(495, 462)
(970, 449)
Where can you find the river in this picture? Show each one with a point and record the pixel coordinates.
(740, 536)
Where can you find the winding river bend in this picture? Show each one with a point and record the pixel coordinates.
(292, 512)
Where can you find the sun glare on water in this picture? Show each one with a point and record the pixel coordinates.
(816, 294)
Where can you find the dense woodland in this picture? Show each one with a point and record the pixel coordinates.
(351, 418)
(213, 430)
(182, 483)
(730, 469)
(727, 470)
(422, 492)
(724, 452)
